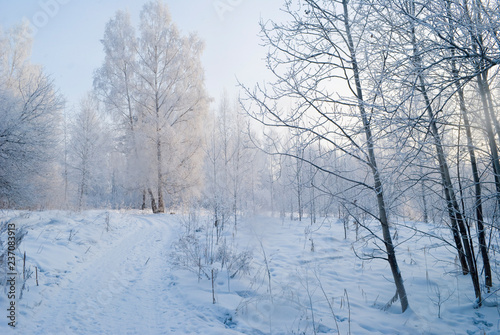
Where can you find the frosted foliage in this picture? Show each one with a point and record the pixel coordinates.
(16, 49)
(115, 78)
(30, 114)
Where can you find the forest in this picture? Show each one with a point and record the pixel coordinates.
(381, 122)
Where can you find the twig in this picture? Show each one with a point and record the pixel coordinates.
(328, 301)
(24, 266)
(267, 269)
(349, 309)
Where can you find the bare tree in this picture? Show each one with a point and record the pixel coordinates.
(309, 57)
(448, 54)
(478, 205)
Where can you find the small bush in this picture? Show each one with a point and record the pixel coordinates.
(197, 251)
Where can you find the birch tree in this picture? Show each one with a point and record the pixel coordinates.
(154, 82)
(115, 83)
(173, 101)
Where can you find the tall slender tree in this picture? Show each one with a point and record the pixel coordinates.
(316, 46)
(155, 81)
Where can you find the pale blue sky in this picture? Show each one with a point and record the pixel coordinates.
(67, 40)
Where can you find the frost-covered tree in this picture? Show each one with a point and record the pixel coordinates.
(173, 102)
(115, 83)
(155, 81)
(88, 155)
(30, 109)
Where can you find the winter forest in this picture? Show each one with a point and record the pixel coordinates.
(356, 192)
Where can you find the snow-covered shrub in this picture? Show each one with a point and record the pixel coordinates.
(187, 254)
(199, 255)
(197, 251)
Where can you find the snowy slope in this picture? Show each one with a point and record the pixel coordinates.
(109, 272)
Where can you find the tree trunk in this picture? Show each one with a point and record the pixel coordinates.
(457, 221)
(490, 100)
(477, 182)
(391, 254)
(456, 217)
(83, 186)
(161, 204)
(153, 202)
(478, 194)
(489, 114)
(496, 171)
(143, 207)
(424, 203)
(487, 104)
(472, 157)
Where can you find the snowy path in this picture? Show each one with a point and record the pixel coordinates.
(126, 289)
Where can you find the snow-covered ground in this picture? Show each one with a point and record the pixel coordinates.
(110, 272)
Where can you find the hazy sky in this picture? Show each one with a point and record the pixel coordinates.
(68, 33)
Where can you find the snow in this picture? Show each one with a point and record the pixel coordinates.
(96, 278)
